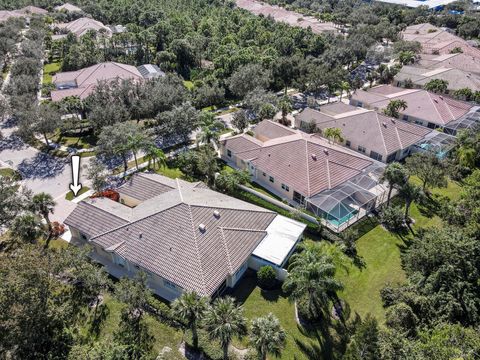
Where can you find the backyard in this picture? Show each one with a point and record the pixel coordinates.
(49, 70)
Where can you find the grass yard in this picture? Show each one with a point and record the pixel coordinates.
(78, 142)
(69, 196)
(49, 70)
(257, 302)
(380, 250)
(171, 172)
(11, 173)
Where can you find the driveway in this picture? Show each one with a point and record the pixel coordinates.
(41, 172)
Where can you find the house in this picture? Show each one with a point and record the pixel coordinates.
(382, 138)
(83, 25)
(69, 8)
(423, 107)
(438, 41)
(183, 235)
(456, 78)
(82, 82)
(458, 61)
(335, 183)
(431, 4)
(23, 12)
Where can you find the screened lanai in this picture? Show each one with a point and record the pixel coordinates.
(469, 120)
(344, 204)
(437, 142)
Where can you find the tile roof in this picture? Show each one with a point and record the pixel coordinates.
(68, 7)
(307, 163)
(437, 40)
(143, 188)
(455, 61)
(6, 14)
(421, 104)
(457, 79)
(267, 130)
(85, 80)
(163, 234)
(82, 25)
(378, 132)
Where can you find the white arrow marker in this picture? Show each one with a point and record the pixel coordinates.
(76, 186)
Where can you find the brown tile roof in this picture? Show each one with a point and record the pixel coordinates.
(142, 187)
(86, 79)
(163, 234)
(422, 104)
(455, 61)
(68, 7)
(306, 163)
(267, 130)
(81, 26)
(434, 39)
(457, 79)
(378, 132)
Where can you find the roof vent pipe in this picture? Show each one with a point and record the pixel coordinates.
(202, 227)
(314, 157)
(140, 235)
(325, 151)
(216, 213)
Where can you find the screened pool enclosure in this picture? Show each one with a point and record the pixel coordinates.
(345, 204)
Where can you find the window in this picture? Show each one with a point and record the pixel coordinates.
(348, 143)
(391, 157)
(83, 236)
(431, 125)
(285, 187)
(418, 122)
(375, 155)
(299, 198)
(271, 179)
(264, 174)
(362, 149)
(359, 104)
(229, 153)
(405, 117)
(169, 284)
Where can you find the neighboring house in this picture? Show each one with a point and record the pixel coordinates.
(81, 83)
(289, 17)
(457, 79)
(382, 138)
(431, 4)
(69, 8)
(183, 235)
(335, 183)
(24, 12)
(458, 61)
(83, 25)
(438, 41)
(423, 107)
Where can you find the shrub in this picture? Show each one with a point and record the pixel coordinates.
(266, 277)
(392, 218)
(111, 194)
(57, 229)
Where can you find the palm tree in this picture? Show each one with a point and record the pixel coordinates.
(156, 156)
(344, 86)
(135, 143)
(209, 128)
(437, 86)
(190, 309)
(394, 107)
(26, 228)
(43, 205)
(396, 175)
(312, 277)
(223, 321)
(333, 134)
(267, 336)
(410, 193)
(406, 57)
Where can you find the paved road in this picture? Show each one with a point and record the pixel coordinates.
(41, 172)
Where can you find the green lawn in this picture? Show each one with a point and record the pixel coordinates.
(49, 70)
(171, 172)
(257, 302)
(86, 141)
(380, 251)
(11, 173)
(70, 196)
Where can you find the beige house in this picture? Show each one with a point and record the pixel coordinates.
(183, 235)
(423, 107)
(303, 169)
(380, 137)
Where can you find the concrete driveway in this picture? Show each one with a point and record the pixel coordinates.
(41, 172)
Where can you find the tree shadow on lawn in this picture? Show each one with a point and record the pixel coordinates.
(41, 166)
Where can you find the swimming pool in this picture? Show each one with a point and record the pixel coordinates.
(344, 213)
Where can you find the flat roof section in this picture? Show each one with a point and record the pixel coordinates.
(282, 236)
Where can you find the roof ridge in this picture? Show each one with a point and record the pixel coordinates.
(399, 139)
(96, 67)
(180, 190)
(433, 103)
(240, 229)
(308, 166)
(195, 239)
(225, 248)
(226, 208)
(328, 173)
(381, 133)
